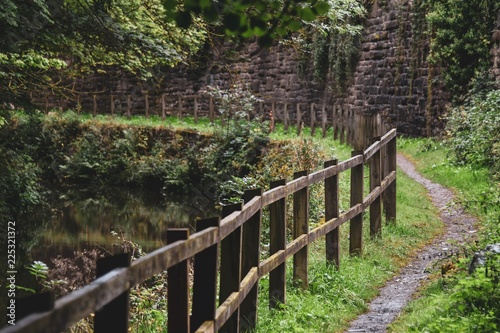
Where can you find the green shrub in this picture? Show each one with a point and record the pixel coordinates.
(460, 38)
(474, 131)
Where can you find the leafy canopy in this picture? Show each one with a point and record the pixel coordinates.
(41, 36)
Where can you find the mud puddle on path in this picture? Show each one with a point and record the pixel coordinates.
(397, 292)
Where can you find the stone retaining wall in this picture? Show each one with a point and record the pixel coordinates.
(392, 77)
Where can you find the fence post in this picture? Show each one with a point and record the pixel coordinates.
(112, 105)
(129, 106)
(163, 106)
(342, 124)
(272, 115)
(179, 106)
(324, 120)
(356, 224)
(95, 105)
(331, 212)
(286, 117)
(178, 287)
(277, 235)
(146, 104)
(114, 316)
(376, 206)
(230, 268)
(205, 279)
(196, 109)
(335, 122)
(300, 227)
(313, 120)
(390, 210)
(250, 257)
(299, 119)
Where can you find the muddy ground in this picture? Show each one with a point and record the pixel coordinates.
(399, 291)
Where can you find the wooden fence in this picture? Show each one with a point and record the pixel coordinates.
(348, 127)
(227, 250)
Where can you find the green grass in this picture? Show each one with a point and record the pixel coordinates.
(435, 309)
(434, 160)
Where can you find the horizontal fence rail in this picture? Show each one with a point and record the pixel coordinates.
(226, 253)
(348, 127)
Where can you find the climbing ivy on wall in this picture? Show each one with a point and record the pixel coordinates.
(461, 38)
(332, 43)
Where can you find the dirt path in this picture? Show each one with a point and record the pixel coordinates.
(398, 292)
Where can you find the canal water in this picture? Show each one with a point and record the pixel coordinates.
(86, 220)
(103, 220)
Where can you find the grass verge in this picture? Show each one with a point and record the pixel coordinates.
(460, 302)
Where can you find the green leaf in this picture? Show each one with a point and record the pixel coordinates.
(170, 5)
(307, 14)
(294, 25)
(322, 8)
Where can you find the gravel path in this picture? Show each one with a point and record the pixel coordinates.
(398, 292)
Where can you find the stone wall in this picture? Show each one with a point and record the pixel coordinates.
(392, 77)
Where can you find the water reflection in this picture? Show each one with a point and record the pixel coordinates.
(89, 221)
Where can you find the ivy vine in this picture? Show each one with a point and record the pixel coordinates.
(460, 39)
(329, 47)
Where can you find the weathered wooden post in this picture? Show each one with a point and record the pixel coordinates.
(129, 106)
(313, 120)
(114, 316)
(250, 258)
(205, 279)
(301, 227)
(163, 106)
(178, 288)
(95, 105)
(299, 119)
(112, 104)
(179, 106)
(331, 212)
(277, 235)
(146, 103)
(230, 268)
(356, 223)
(391, 189)
(195, 109)
(272, 115)
(375, 181)
(335, 122)
(324, 120)
(286, 117)
(342, 126)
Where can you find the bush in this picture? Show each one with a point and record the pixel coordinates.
(20, 191)
(474, 131)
